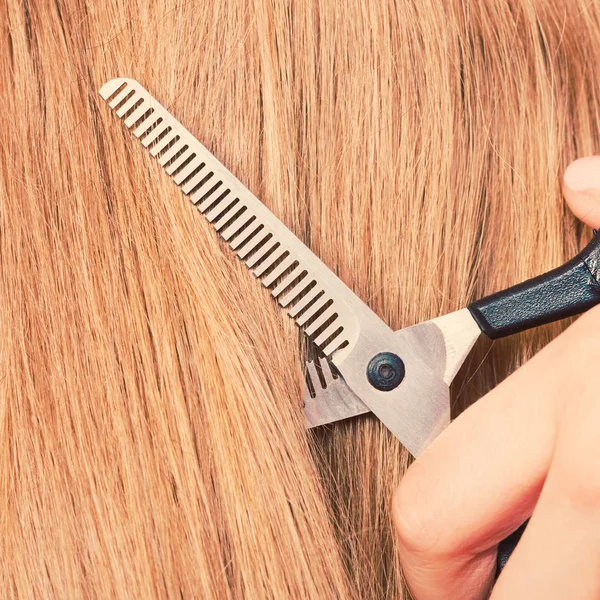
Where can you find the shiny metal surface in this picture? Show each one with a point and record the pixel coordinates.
(419, 409)
(332, 400)
(333, 317)
(321, 304)
(460, 332)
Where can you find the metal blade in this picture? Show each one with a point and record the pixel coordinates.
(460, 332)
(345, 328)
(443, 343)
(304, 284)
(419, 408)
(327, 398)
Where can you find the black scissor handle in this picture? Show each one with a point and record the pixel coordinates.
(506, 547)
(563, 292)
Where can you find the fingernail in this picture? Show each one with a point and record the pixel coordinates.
(583, 175)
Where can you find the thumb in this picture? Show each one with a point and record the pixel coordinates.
(581, 188)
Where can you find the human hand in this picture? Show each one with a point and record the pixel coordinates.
(528, 448)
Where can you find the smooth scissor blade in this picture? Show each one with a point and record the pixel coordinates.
(343, 327)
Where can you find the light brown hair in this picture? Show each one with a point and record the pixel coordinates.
(151, 433)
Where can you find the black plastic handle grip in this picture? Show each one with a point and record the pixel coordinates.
(506, 547)
(563, 292)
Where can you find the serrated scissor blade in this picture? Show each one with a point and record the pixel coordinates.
(319, 301)
(342, 326)
(327, 398)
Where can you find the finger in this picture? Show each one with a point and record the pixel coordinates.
(559, 553)
(482, 477)
(581, 188)
(447, 547)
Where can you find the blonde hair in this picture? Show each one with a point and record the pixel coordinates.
(152, 441)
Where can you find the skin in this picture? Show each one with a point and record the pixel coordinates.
(529, 448)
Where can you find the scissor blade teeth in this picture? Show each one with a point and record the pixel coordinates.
(157, 132)
(327, 374)
(194, 181)
(311, 372)
(332, 403)
(266, 264)
(264, 249)
(320, 321)
(247, 240)
(146, 125)
(286, 281)
(305, 301)
(213, 196)
(263, 253)
(240, 234)
(229, 211)
(329, 377)
(270, 279)
(300, 281)
(163, 144)
(127, 106)
(223, 202)
(303, 286)
(228, 227)
(326, 334)
(197, 196)
(111, 87)
(170, 154)
(332, 346)
(137, 114)
(312, 310)
(120, 96)
(180, 177)
(228, 231)
(179, 161)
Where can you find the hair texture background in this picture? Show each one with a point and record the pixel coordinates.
(151, 433)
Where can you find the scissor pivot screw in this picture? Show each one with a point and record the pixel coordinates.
(385, 371)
